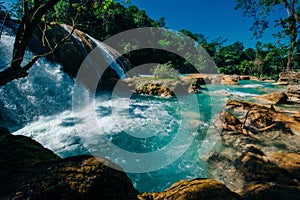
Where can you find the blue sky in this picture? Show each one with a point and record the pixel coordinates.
(213, 18)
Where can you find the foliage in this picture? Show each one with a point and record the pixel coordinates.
(102, 19)
(262, 10)
(165, 71)
(105, 18)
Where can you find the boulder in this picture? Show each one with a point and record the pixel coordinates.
(193, 190)
(290, 77)
(164, 87)
(214, 78)
(293, 92)
(230, 80)
(244, 77)
(73, 51)
(70, 54)
(80, 177)
(270, 191)
(275, 98)
(258, 153)
(30, 171)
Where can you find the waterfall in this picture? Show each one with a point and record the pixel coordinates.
(113, 58)
(45, 91)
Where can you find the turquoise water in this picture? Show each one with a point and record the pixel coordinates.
(156, 141)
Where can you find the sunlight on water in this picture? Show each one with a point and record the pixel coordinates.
(40, 107)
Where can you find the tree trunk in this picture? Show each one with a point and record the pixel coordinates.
(29, 22)
(31, 19)
(293, 38)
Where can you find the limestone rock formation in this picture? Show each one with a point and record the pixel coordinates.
(193, 190)
(29, 171)
(293, 93)
(71, 53)
(164, 87)
(259, 155)
(275, 98)
(289, 77)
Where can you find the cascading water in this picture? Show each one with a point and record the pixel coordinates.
(113, 58)
(40, 106)
(46, 90)
(110, 55)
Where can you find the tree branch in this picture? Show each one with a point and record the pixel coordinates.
(291, 8)
(12, 73)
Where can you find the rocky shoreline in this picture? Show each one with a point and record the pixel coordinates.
(258, 157)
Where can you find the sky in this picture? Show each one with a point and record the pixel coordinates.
(213, 18)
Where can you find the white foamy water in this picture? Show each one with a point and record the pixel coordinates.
(40, 106)
(45, 91)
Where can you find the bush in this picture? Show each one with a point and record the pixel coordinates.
(165, 70)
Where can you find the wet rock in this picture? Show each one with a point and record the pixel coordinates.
(73, 51)
(259, 151)
(275, 98)
(165, 87)
(30, 171)
(290, 77)
(80, 177)
(70, 54)
(18, 156)
(193, 190)
(154, 89)
(293, 93)
(270, 191)
(244, 77)
(214, 78)
(230, 80)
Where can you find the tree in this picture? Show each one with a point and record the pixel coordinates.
(261, 10)
(229, 57)
(33, 14)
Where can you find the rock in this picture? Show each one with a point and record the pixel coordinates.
(290, 77)
(214, 78)
(73, 52)
(286, 160)
(281, 83)
(19, 155)
(293, 92)
(244, 77)
(227, 121)
(30, 171)
(70, 54)
(261, 117)
(257, 167)
(230, 80)
(193, 190)
(259, 151)
(154, 89)
(275, 98)
(270, 191)
(164, 87)
(253, 78)
(80, 177)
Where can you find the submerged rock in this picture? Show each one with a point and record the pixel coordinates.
(259, 155)
(275, 98)
(193, 190)
(30, 171)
